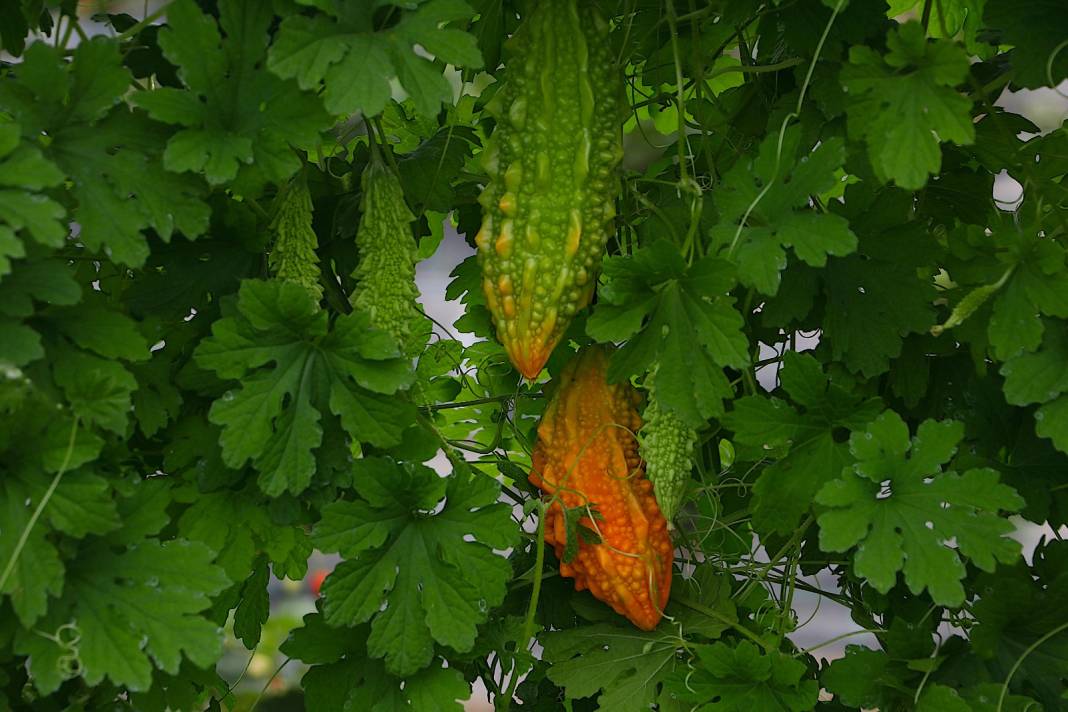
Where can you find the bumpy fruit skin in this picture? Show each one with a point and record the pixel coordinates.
(667, 448)
(588, 454)
(385, 276)
(552, 161)
(293, 257)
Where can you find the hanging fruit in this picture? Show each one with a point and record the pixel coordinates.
(667, 445)
(552, 161)
(587, 457)
(385, 276)
(293, 257)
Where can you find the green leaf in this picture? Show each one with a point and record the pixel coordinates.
(144, 601)
(425, 28)
(871, 305)
(92, 326)
(53, 442)
(99, 390)
(435, 573)
(108, 167)
(232, 524)
(46, 661)
(778, 221)
(288, 549)
(623, 668)
(81, 503)
(254, 606)
(900, 511)
(863, 678)
(1014, 324)
(143, 511)
(1017, 608)
(903, 103)
(19, 344)
(10, 248)
(342, 676)
(764, 422)
(44, 280)
(939, 698)
(784, 491)
(23, 173)
(111, 155)
(682, 308)
(356, 63)
(316, 643)
(1051, 421)
(1040, 376)
(38, 572)
(239, 119)
(985, 698)
(742, 678)
(1038, 285)
(1036, 29)
(275, 417)
(427, 173)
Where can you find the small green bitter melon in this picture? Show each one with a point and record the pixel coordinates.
(666, 446)
(293, 257)
(385, 275)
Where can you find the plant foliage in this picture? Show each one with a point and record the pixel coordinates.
(871, 351)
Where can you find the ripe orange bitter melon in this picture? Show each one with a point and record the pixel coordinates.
(552, 160)
(587, 454)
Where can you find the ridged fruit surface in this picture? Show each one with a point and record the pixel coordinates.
(385, 276)
(667, 448)
(552, 159)
(293, 257)
(587, 454)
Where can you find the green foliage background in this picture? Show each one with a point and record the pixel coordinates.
(175, 425)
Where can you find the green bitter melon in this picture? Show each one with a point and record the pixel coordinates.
(293, 258)
(666, 443)
(549, 204)
(385, 275)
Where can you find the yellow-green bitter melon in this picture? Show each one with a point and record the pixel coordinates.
(552, 161)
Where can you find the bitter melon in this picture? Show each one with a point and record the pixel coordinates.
(667, 444)
(587, 455)
(552, 159)
(293, 257)
(385, 275)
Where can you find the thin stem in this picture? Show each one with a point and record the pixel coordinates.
(268, 684)
(835, 639)
(786, 547)
(81, 33)
(149, 19)
(1023, 656)
(756, 68)
(71, 21)
(25, 536)
(680, 102)
(385, 147)
(782, 129)
(468, 403)
(244, 670)
(532, 606)
(726, 620)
